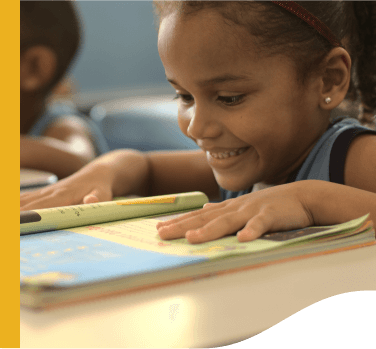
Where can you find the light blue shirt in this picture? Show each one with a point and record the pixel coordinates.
(63, 109)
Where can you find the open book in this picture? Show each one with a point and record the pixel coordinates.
(74, 253)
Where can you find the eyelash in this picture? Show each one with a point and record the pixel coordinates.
(228, 101)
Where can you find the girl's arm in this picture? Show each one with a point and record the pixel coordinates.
(159, 172)
(280, 208)
(288, 206)
(126, 172)
(331, 203)
(65, 147)
(181, 171)
(337, 203)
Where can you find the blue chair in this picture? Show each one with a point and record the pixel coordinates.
(144, 123)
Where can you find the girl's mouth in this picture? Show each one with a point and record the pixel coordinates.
(227, 154)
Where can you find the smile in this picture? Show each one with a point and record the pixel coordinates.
(228, 154)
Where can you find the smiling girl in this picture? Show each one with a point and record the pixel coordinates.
(256, 83)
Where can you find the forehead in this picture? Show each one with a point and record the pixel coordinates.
(204, 39)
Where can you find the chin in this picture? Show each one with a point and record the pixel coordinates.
(233, 184)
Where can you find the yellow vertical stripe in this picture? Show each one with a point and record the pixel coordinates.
(10, 155)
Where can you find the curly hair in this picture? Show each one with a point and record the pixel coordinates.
(279, 31)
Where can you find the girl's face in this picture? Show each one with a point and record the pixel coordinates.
(248, 112)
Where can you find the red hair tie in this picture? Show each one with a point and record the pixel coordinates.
(310, 19)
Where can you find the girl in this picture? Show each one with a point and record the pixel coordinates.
(255, 83)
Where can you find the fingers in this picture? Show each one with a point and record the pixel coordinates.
(198, 227)
(185, 216)
(24, 198)
(55, 197)
(35, 196)
(210, 204)
(223, 225)
(90, 199)
(39, 202)
(96, 196)
(179, 226)
(204, 225)
(27, 196)
(217, 220)
(252, 215)
(256, 226)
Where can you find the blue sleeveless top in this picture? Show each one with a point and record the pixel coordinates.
(326, 161)
(62, 109)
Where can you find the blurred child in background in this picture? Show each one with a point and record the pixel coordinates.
(54, 136)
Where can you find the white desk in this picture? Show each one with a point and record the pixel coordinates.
(208, 312)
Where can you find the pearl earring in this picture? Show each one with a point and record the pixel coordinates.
(328, 100)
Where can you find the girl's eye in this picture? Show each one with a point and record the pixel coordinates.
(232, 100)
(227, 100)
(185, 98)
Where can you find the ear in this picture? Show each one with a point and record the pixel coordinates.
(335, 79)
(38, 68)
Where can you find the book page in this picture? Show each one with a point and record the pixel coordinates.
(142, 234)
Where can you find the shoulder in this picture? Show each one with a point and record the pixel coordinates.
(67, 125)
(360, 164)
(64, 118)
(55, 114)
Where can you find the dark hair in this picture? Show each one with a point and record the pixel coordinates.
(279, 31)
(54, 24)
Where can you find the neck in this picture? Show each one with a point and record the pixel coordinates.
(291, 168)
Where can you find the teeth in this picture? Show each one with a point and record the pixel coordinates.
(228, 154)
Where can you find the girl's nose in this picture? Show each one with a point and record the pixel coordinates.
(203, 124)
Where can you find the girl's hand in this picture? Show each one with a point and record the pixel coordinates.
(274, 209)
(89, 185)
(116, 173)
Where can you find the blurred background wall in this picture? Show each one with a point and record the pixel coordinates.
(120, 78)
(119, 49)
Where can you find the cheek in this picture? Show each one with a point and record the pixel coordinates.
(183, 122)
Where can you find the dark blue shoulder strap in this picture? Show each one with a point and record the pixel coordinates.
(339, 152)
